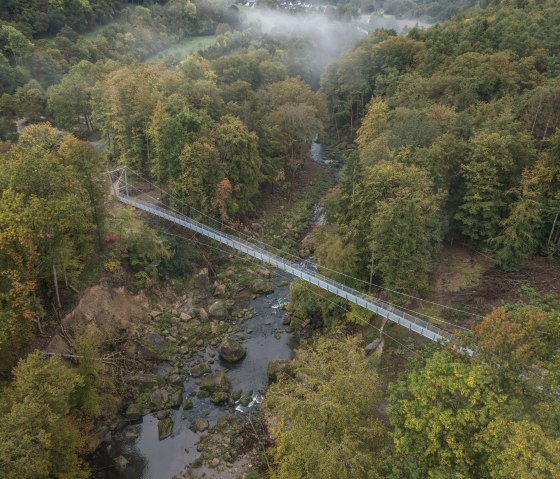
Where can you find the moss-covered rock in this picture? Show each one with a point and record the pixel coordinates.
(216, 381)
(276, 367)
(220, 397)
(231, 350)
(165, 426)
(200, 424)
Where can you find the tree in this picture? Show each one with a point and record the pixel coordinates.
(82, 156)
(69, 101)
(39, 439)
(395, 217)
(328, 425)
(439, 412)
(53, 202)
(242, 163)
(483, 205)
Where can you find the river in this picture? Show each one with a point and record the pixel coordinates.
(150, 458)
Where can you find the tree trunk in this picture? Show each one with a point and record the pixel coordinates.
(55, 280)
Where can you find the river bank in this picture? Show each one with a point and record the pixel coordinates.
(188, 411)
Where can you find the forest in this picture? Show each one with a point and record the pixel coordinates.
(442, 136)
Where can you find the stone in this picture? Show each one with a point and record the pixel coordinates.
(220, 397)
(372, 347)
(202, 314)
(216, 381)
(132, 434)
(245, 401)
(154, 314)
(276, 367)
(199, 369)
(175, 398)
(165, 427)
(175, 379)
(218, 309)
(163, 414)
(134, 412)
(187, 404)
(121, 463)
(146, 382)
(287, 319)
(215, 462)
(185, 317)
(220, 290)
(231, 350)
(201, 278)
(152, 346)
(236, 394)
(200, 425)
(159, 399)
(262, 286)
(202, 394)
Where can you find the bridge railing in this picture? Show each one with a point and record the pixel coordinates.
(377, 306)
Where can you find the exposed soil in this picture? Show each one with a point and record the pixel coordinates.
(465, 278)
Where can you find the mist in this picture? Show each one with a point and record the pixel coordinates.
(319, 38)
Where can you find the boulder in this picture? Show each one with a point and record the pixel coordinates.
(215, 462)
(201, 278)
(185, 317)
(216, 381)
(155, 314)
(175, 379)
(120, 463)
(276, 367)
(220, 290)
(146, 382)
(134, 412)
(159, 399)
(199, 369)
(188, 404)
(200, 424)
(175, 398)
(165, 427)
(202, 314)
(152, 346)
(219, 397)
(262, 286)
(374, 345)
(218, 309)
(231, 350)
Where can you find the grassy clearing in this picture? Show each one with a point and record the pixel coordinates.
(184, 47)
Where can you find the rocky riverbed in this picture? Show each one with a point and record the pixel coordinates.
(185, 419)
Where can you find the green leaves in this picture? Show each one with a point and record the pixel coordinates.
(326, 417)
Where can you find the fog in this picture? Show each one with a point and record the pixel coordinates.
(320, 38)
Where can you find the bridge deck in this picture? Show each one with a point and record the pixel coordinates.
(374, 305)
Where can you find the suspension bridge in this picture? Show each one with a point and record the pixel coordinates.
(125, 193)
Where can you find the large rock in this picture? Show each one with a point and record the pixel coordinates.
(146, 382)
(219, 397)
(231, 350)
(201, 278)
(216, 381)
(262, 286)
(199, 369)
(277, 367)
(134, 412)
(120, 463)
(152, 346)
(165, 427)
(218, 309)
(200, 424)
